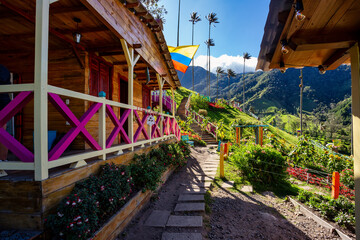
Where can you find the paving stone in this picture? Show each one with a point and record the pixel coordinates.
(191, 198)
(157, 218)
(181, 236)
(229, 184)
(204, 178)
(190, 207)
(184, 221)
(248, 188)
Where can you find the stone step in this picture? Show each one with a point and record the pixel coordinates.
(185, 221)
(157, 218)
(192, 191)
(181, 236)
(190, 198)
(190, 207)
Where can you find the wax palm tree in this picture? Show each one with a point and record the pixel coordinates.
(211, 17)
(246, 56)
(209, 43)
(230, 73)
(219, 71)
(194, 18)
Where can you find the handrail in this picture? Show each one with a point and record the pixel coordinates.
(162, 127)
(211, 128)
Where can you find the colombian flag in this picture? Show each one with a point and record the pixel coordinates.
(182, 56)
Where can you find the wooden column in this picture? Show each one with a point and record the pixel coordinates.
(173, 103)
(41, 90)
(161, 84)
(355, 92)
(131, 60)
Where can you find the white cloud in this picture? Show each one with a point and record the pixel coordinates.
(236, 63)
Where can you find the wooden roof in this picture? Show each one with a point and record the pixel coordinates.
(330, 29)
(101, 33)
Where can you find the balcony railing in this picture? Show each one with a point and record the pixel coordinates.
(210, 127)
(167, 101)
(162, 127)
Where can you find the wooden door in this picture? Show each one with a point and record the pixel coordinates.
(145, 97)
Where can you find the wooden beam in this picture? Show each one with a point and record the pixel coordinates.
(78, 57)
(111, 53)
(141, 14)
(120, 63)
(131, 5)
(138, 45)
(104, 48)
(84, 30)
(147, 20)
(72, 9)
(31, 19)
(336, 59)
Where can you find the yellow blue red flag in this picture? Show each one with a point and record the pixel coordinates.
(182, 56)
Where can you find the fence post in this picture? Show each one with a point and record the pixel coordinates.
(335, 187)
(222, 175)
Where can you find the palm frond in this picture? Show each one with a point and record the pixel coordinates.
(194, 17)
(211, 17)
(246, 55)
(220, 70)
(210, 42)
(230, 73)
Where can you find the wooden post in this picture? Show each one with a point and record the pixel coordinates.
(237, 135)
(173, 103)
(222, 174)
(256, 130)
(102, 129)
(355, 92)
(335, 187)
(261, 135)
(161, 84)
(41, 90)
(240, 134)
(131, 60)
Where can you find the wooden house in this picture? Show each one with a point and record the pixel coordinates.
(322, 34)
(83, 69)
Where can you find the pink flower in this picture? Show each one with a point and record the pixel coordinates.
(71, 225)
(122, 173)
(102, 188)
(60, 214)
(86, 220)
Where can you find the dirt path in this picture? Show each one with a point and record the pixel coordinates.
(233, 215)
(253, 216)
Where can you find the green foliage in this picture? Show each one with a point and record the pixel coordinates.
(347, 178)
(260, 164)
(340, 210)
(97, 198)
(308, 156)
(199, 102)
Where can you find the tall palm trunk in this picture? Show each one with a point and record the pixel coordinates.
(217, 87)
(178, 29)
(209, 71)
(209, 62)
(192, 43)
(244, 85)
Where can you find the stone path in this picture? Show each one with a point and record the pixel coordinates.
(192, 200)
(178, 213)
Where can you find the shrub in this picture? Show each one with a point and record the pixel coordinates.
(97, 198)
(260, 164)
(340, 210)
(347, 178)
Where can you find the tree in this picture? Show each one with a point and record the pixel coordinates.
(209, 43)
(219, 71)
(155, 9)
(194, 18)
(230, 74)
(211, 17)
(246, 56)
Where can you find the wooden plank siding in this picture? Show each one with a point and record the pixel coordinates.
(25, 204)
(125, 25)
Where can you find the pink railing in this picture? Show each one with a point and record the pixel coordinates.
(199, 119)
(104, 145)
(167, 101)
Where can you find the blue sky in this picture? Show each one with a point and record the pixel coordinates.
(240, 29)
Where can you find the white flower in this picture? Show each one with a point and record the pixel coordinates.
(67, 202)
(60, 215)
(74, 203)
(61, 234)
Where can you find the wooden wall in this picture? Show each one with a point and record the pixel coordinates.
(25, 204)
(65, 72)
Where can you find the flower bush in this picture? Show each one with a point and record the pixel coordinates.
(260, 164)
(340, 210)
(96, 199)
